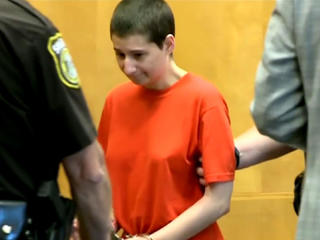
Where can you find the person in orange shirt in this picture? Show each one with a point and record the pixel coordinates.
(153, 129)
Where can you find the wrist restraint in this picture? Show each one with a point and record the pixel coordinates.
(237, 153)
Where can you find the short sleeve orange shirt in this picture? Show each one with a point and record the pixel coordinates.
(152, 140)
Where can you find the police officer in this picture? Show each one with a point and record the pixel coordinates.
(44, 120)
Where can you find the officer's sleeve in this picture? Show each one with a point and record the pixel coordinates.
(64, 118)
(279, 109)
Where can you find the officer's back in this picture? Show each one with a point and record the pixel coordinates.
(44, 121)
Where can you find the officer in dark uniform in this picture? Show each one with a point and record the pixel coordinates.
(44, 120)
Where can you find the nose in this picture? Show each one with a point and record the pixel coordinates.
(128, 66)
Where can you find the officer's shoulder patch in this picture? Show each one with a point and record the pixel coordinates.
(66, 70)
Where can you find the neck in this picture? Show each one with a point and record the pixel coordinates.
(171, 76)
(176, 72)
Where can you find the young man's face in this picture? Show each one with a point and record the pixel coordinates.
(143, 62)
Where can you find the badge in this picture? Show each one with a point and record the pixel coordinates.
(66, 70)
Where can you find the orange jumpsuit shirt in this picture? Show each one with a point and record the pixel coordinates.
(152, 140)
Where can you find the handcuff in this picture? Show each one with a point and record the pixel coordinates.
(115, 236)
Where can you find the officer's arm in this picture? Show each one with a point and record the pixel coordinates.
(279, 108)
(256, 148)
(91, 190)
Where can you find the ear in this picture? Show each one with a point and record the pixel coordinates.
(169, 43)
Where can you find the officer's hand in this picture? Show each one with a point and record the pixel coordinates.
(200, 172)
(200, 168)
(75, 235)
